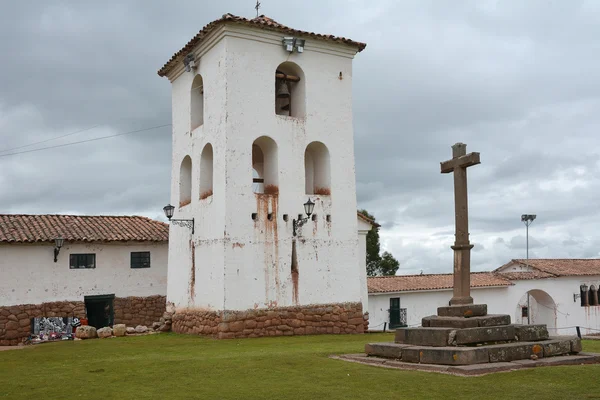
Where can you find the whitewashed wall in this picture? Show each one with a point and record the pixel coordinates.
(240, 263)
(29, 275)
(420, 304)
(566, 313)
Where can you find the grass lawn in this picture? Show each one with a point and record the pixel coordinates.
(170, 366)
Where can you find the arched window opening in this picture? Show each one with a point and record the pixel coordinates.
(593, 295)
(584, 294)
(317, 174)
(197, 102)
(206, 172)
(264, 166)
(290, 96)
(185, 182)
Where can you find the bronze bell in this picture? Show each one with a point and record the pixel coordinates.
(283, 91)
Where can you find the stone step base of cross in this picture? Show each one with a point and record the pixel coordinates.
(505, 352)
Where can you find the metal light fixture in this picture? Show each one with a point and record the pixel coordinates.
(288, 43)
(527, 219)
(189, 62)
(169, 209)
(309, 206)
(299, 45)
(58, 243)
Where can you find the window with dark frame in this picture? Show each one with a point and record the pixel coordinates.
(524, 312)
(140, 259)
(82, 261)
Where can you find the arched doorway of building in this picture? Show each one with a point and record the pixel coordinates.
(537, 307)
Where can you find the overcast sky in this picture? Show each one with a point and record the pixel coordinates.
(517, 81)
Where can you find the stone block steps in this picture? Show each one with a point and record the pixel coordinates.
(440, 337)
(435, 321)
(454, 355)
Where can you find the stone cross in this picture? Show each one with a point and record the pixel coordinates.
(462, 248)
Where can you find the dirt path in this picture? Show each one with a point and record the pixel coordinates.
(2, 348)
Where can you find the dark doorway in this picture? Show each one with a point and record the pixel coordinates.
(397, 314)
(99, 310)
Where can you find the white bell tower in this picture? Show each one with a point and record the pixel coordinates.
(262, 123)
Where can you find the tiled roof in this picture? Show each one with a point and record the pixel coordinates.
(405, 283)
(553, 267)
(262, 22)
(367, 219)
(19, 228)
(525, 275)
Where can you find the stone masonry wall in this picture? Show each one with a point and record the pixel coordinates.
(133, 311)
(15, 321)
(284, 321)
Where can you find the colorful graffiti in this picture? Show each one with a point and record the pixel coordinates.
(53, 328)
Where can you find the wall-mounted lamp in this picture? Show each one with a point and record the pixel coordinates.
(583, 288)
(309, 206)
(169, 209)
(58, 243)
(290, 43)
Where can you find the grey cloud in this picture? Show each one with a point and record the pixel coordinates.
(517, 81)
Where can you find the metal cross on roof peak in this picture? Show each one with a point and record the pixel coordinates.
(257, 6)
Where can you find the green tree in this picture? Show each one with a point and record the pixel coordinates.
(378, 264)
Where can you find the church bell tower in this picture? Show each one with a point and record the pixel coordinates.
(263, 164)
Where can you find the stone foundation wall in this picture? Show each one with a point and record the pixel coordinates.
(15, 321)
(283, 321)
(133, 311)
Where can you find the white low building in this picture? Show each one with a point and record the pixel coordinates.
(561, 293)
(107, 270)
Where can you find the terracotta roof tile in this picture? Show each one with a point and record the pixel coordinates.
(20, 228)
(520, 276)
(367, 219)
(560, 266)
(262, 22)
(405, 283)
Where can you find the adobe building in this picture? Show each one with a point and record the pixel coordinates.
(108, 270)
(262, 127)
(559, 293)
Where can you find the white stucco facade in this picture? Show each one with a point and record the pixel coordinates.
(551, 302)
(235, 262)
(29, 275)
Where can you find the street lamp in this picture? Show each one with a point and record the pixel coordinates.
(169, 209)
(58, 243)
(309, 206)
(527, 219)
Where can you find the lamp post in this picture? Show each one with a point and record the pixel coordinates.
(527, 219)
(58, 243)
(309, 206)
(169, 209)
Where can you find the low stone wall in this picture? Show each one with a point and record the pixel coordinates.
(133, 311)
(15, 321)
(283, 321)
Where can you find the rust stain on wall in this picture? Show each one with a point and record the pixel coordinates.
(295, 274)
(267, 233)
(237, 244)
(192, 290)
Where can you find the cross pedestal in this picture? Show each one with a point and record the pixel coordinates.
(462, 248)
(463, 334)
